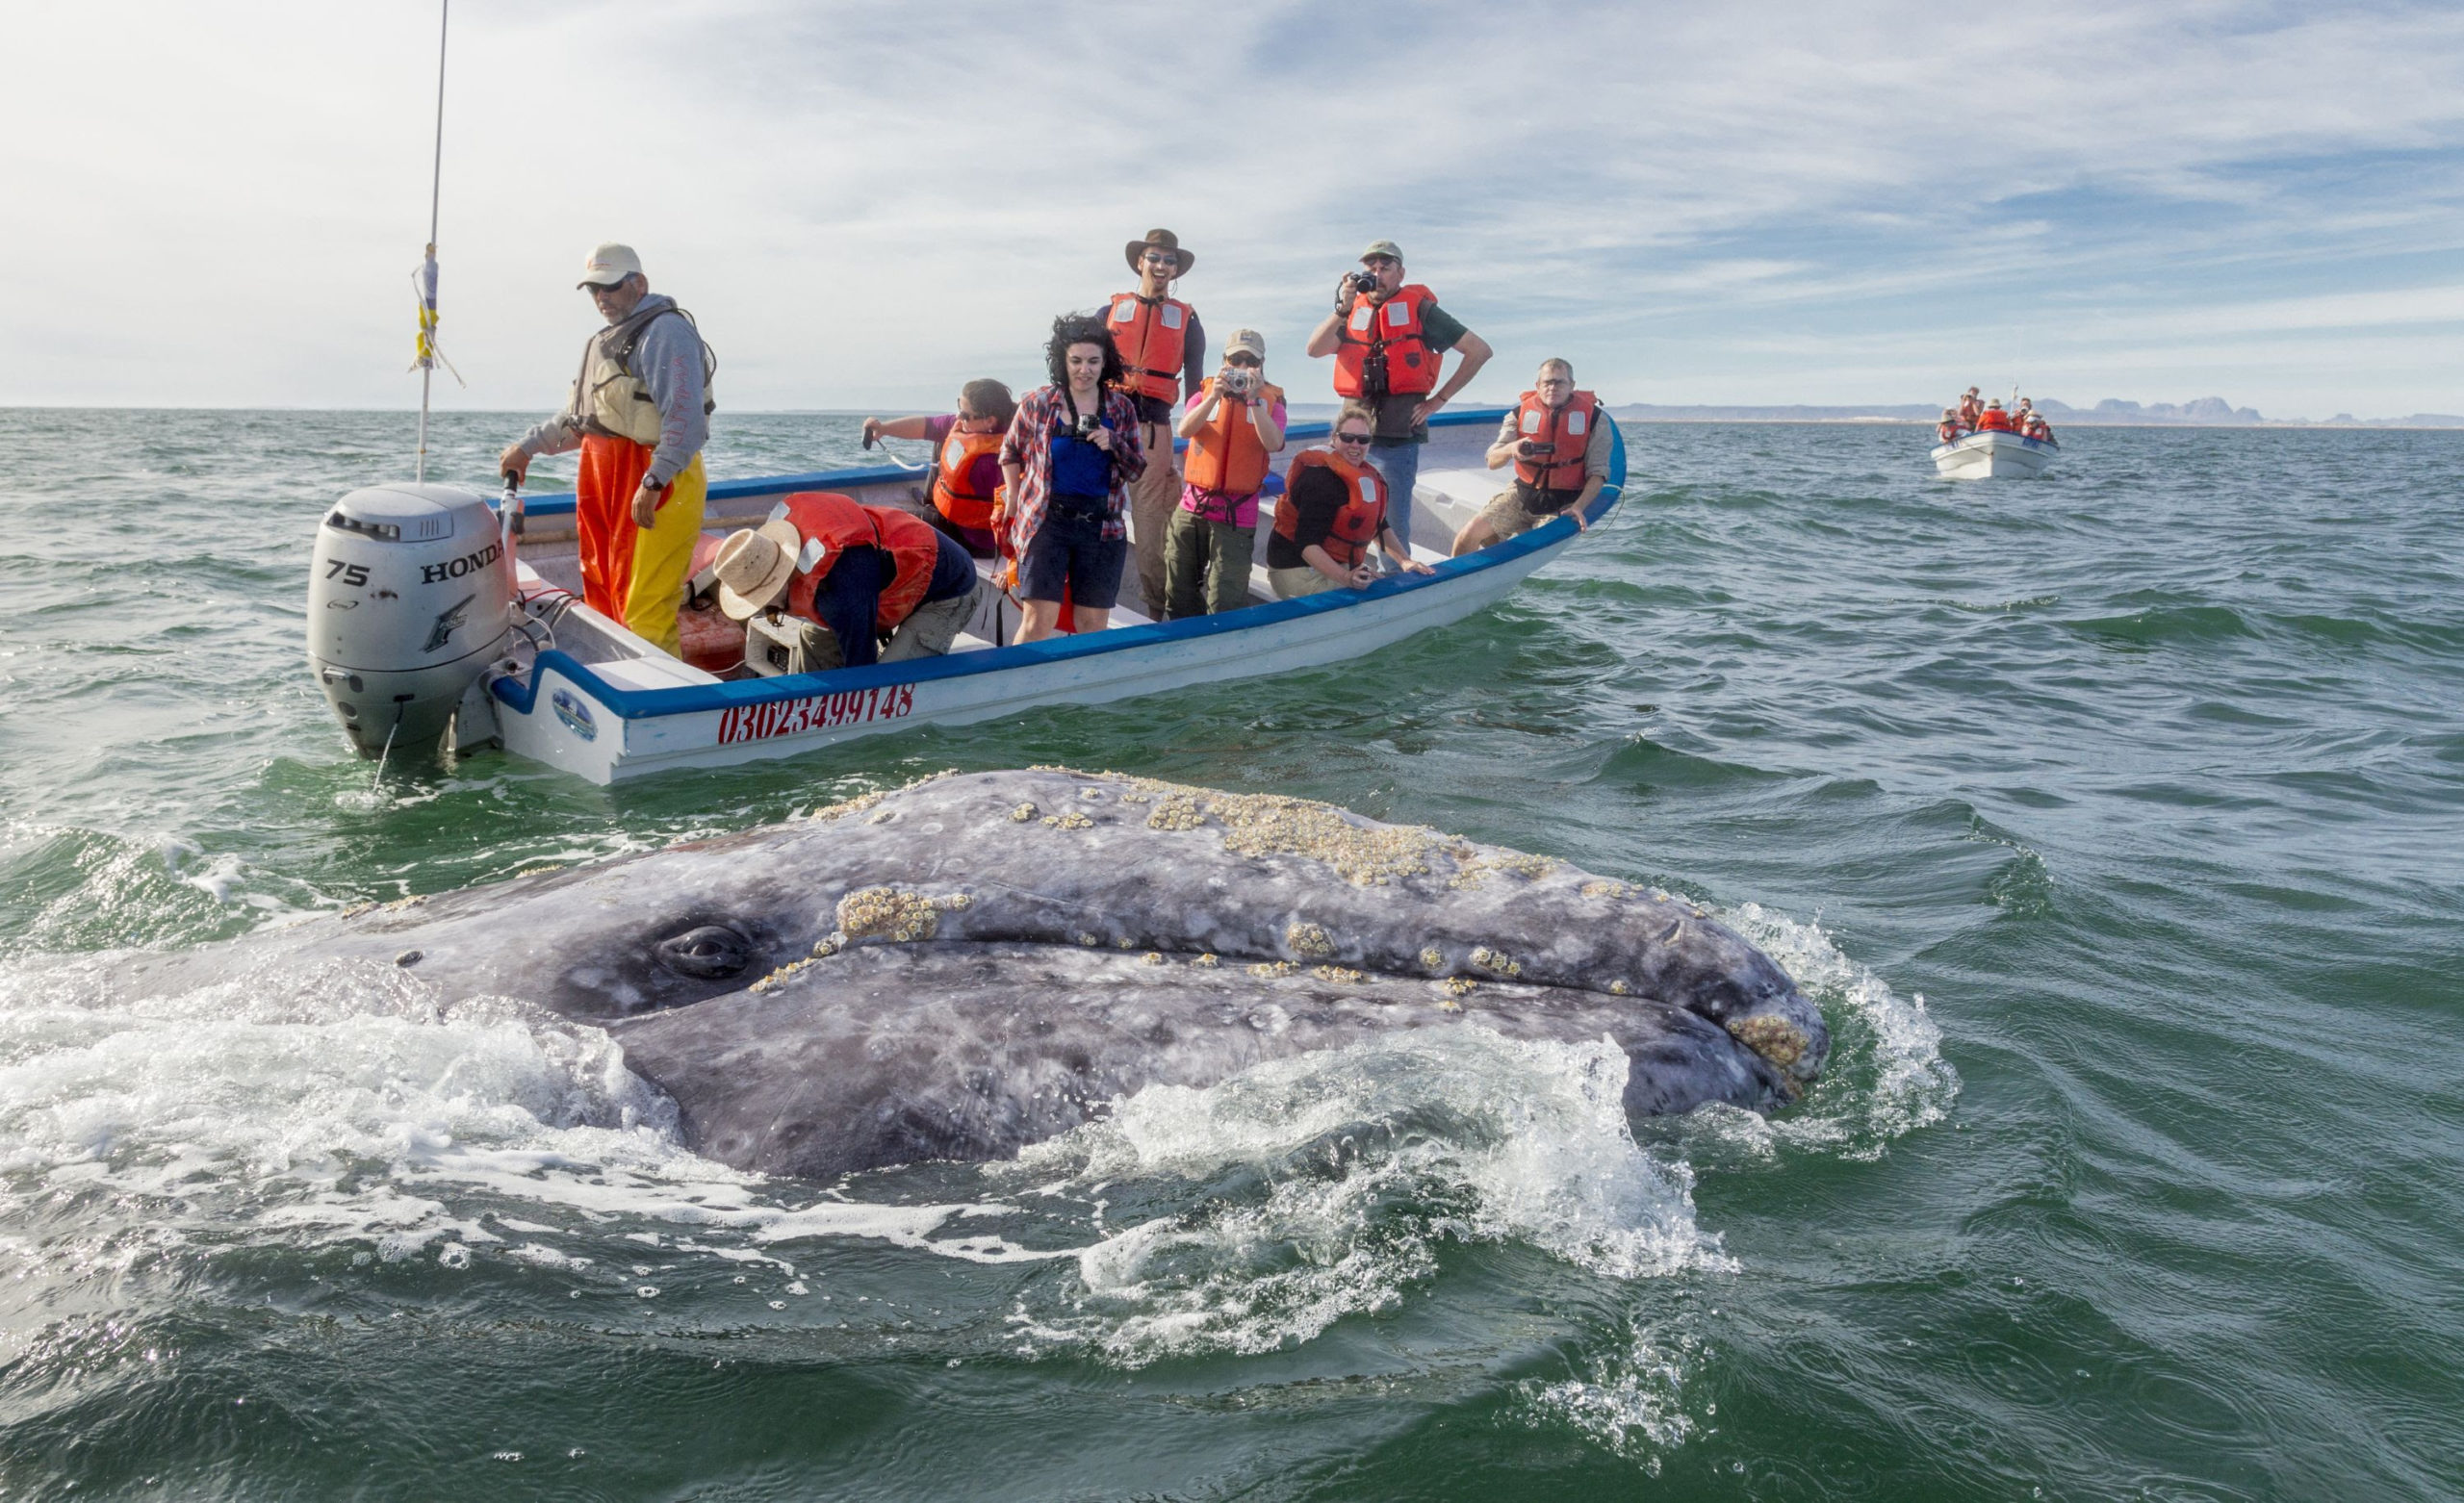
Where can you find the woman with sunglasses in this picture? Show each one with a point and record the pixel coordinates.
(1333, 507)
(967, 464)
(1072, 453)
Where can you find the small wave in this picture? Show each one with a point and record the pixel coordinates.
(2168, 625)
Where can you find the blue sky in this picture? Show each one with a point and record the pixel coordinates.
(868, 205)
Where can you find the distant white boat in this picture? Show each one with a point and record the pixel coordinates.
(1995, 455)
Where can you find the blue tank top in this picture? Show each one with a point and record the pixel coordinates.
(1079, 467)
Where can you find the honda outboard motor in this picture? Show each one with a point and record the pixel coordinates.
(409, 601)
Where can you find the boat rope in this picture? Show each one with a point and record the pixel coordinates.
(426, 355)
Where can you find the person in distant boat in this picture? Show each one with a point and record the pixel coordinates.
(1994, 419)
(2037, 428)
(870, 573)
(1066, 462)
(1971, 409)
(1949, 429)
(1333, 507)
(966, 459)
(1163, 355)
(1557, 439)
(1389, 338)
(640, 414)
(1234, 426)
(2021, 414)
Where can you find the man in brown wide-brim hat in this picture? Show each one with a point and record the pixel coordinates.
(1163, 350)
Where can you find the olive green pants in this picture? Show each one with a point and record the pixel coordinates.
(1206, 565)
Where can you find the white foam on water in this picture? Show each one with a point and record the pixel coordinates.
(1629, 1401)
(1348, 1168)
(339, 1103)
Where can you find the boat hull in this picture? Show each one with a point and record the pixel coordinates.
(1995, 456)
(636, 713)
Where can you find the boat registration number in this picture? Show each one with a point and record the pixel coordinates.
(819, 712)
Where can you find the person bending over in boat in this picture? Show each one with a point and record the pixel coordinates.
(1948, 430)
(1971, 409)
(1234, 426)
(1334, 505)
(870, 573)
(1558, 445)
(1388, 339)
(2036, 427)
(640, 413)
(966, 459)
(1163, 353)
(1072, 453)
(1994, 419)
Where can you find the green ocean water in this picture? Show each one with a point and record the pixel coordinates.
(2115, 820)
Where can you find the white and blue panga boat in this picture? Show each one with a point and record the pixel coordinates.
(429, 620)
(1993, 455)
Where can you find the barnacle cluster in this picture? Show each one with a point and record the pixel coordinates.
(899, 915)
(1208, 961)
(1338, 973)
(400, 903)
(1070, 819)
(1472, 867)
(1460, 985)
(1023, 813)
(1603, 888)
(1310, 941)
(1432, 958)
(1153, 957)
(1273, 968)
(1495, 960)
(1774, 1039)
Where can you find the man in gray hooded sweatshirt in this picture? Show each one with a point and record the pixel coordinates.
(640, 413)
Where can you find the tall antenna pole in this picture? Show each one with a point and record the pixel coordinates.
(426, 279)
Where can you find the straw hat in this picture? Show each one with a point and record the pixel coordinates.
(1161, 240)
(754, 565)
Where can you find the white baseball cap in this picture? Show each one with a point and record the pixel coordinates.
(609, 264)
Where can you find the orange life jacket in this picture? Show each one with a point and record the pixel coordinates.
(1946, 430)
(1994, 420)
(839, 523)
(954, 492)
(1391, 329)
(1568, 432)
(1358, 523)
(1150, 338)
(2038, 427)
(1225, 455)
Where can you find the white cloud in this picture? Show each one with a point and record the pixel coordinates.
(868, 205)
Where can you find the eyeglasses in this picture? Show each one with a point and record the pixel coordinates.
(1251, 362)
(594, 289)
(1351, 438)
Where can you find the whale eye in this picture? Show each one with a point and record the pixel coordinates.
(708, 953)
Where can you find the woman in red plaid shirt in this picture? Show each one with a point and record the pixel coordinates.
(1067, 461)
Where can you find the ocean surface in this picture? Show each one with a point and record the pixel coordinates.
(2115, 820)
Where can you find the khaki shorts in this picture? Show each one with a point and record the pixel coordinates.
(930, 629)
(1292, 583)
(1507, 518)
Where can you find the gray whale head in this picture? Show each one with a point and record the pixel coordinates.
(978, 963)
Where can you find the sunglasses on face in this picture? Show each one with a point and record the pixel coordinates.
(1351, 438)
(1245, 362)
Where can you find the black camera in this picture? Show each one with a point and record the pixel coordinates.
(1534, 448)
(1362, 282)
(1087, 425)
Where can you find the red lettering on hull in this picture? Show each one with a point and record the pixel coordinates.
(816, 712)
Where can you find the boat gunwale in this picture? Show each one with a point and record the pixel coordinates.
(630, 704)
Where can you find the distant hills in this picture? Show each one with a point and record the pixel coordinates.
(2207, 412)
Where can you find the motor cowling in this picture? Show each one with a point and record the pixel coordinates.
(409, 599)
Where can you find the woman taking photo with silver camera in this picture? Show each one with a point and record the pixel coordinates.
(1234, 426)
(1067, 466)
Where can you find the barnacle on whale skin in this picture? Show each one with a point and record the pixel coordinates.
(1310, 940)
(893, 913)
(1774, 1039)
